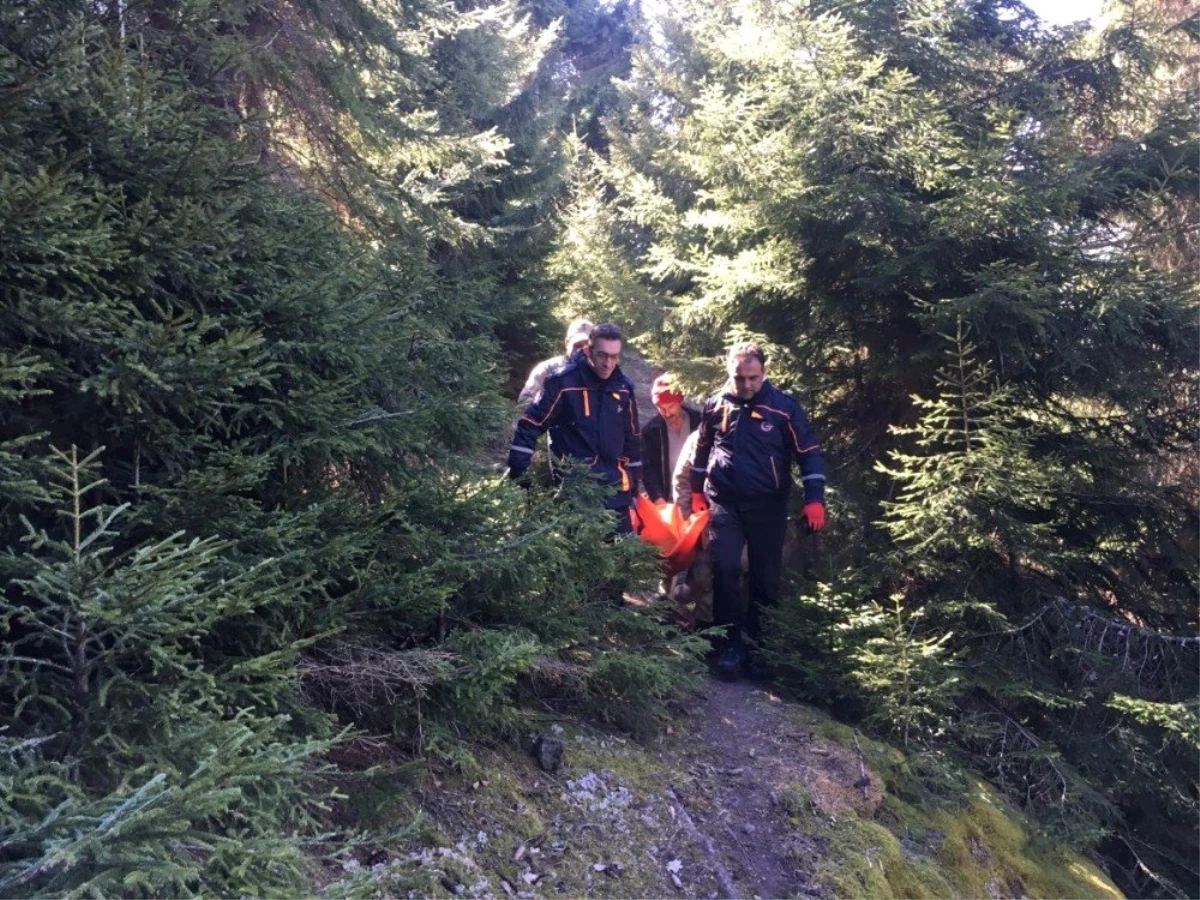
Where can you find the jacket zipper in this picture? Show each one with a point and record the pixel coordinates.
(775, 472)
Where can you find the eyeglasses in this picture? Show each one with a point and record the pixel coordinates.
(601, 357)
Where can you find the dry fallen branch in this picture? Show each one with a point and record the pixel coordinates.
(865, 780)
(724, 880)
(362, 676)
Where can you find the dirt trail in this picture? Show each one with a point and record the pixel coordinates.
(746, 796)
(737, 744)
(707, 811)
(747, 753)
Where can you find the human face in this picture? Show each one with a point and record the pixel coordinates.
(747, 377)
(671, 410)
(604, 355)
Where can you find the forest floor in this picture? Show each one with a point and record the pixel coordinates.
(745, 795)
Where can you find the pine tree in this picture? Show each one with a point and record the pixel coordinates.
(904, 673)
(847, 183)
(970, 492)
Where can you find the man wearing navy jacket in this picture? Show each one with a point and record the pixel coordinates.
(750, 434)
(590, 411)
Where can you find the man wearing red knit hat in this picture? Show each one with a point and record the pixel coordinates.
(663, 438)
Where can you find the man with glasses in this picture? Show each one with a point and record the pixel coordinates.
(590, 411)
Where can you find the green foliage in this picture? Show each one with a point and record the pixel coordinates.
(127, 737)
(481, 694)
(849, 183)
(261, 253)
(19, 475)
(84, 619)
(904, 673)
(523, 592)
(970, 485)
(808, 637)
(1177, 720)
(243, 270)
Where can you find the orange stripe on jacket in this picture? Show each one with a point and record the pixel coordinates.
(626, 484)
(554, 404)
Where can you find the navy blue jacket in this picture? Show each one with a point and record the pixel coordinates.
(745, 448)
(593, 421)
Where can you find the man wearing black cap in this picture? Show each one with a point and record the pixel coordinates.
(577, 338)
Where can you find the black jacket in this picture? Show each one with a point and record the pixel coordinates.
(656, 455)
(593, 421)
(745, 448)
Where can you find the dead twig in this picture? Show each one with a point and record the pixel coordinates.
(865, 781)
(724, 880)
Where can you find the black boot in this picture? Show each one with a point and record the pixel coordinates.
(733, 657)
(756, 667)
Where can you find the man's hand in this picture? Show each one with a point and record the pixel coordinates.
(699, 502)
(814, 516)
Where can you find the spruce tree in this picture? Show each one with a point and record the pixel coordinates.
(138, 759)
(848, 183)
(228, 279)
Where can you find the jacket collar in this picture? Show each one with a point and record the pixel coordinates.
(729, 392)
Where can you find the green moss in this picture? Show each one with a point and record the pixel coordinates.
(860, 867)
(979, 850)
(939, 833)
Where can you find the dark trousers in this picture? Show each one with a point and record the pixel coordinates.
(760, 525)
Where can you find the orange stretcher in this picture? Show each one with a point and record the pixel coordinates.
(675, 537)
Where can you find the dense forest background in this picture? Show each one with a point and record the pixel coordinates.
(271, 270)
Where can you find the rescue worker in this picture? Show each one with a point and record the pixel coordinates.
(750, 433)
(590, 411)
(576, 339)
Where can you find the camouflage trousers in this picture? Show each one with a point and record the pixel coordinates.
(691, 591)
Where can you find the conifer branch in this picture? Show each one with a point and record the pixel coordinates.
(1124, 627)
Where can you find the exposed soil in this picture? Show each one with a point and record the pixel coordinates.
(747, 754)
(705, 812)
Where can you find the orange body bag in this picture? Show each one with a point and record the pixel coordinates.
(675, 537)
